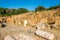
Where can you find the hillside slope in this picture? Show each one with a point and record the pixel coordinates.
(34, 17)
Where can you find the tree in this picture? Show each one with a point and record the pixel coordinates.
(54, 7)
(40, 8)
(3, 11)
(22, 10)
(8, 12)
(11, 11)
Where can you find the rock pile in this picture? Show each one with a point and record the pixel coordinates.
(21, 36)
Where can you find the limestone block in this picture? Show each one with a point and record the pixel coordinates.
(45, 34)
(23, 36)
(41, 26)
(8, 37)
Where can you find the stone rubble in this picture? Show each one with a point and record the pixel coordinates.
(45, 34)
(8, 37)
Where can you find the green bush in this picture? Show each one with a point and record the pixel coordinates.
(21, 10)
(9, 12)
(40, 8)
(54, 7)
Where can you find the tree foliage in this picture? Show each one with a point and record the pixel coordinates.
(21, 10)
(54, 7)
(40, 8)
(8, 12)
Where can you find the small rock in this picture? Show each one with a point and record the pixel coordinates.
(25, 22)
(24, 37)
(41, 26)
(8, 37)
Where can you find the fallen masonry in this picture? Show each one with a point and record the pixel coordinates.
(45, 34)
(8, 37)
(20, 37)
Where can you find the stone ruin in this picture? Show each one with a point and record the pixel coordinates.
(45, 34)
(42, 33)
(41, 26)
(25, 22)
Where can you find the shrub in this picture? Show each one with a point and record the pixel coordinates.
(40, 8)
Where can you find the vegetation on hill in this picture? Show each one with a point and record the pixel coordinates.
(54, 7)
(40, 8)
(9, 12)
